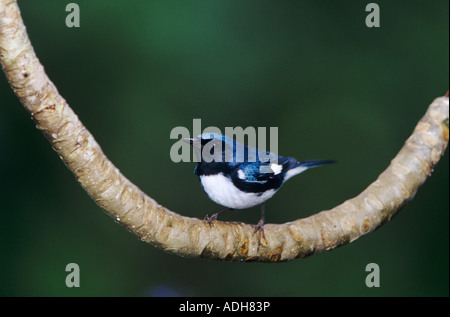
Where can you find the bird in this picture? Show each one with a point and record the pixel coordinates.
(239, 176)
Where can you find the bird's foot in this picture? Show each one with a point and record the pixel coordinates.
(212, 218)
(259, 228)
(216, 216)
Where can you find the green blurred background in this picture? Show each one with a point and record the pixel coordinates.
(134, 70)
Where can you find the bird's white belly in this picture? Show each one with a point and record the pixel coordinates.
(222, 191)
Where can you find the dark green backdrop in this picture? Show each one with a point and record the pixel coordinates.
(134, 70)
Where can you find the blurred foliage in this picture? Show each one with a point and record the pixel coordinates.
(134, 70)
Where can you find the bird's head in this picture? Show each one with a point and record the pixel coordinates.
(215, 147)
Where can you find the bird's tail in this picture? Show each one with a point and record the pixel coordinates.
(314, 163)
(295, 167)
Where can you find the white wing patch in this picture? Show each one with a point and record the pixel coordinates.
(276, 168)
(241, 174)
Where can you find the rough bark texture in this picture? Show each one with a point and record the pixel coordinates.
(192, 237)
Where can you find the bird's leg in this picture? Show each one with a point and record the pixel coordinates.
(260, 226)
(216, 215)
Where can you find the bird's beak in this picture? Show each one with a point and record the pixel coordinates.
(194, 142)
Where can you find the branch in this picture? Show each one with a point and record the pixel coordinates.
(192, 237)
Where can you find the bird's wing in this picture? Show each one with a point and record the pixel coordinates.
(254, 172)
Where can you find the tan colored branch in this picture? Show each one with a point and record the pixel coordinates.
(192, 237)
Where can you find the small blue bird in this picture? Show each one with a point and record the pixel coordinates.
(240, 176)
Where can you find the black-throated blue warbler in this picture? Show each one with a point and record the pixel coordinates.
(240, 176)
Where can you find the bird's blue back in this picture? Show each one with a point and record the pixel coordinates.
(235, 153)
